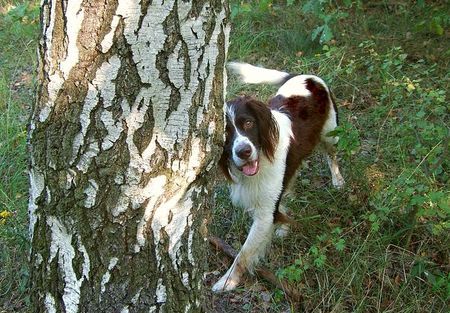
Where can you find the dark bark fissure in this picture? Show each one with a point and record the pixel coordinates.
(184, 54)
(144, 10)
(172, 31)
(128, 82)
(144, 134)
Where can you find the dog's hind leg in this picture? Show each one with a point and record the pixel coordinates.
(251, 252)
(330, 154)
(282, 221)
(328, 146)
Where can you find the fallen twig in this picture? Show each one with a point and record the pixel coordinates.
(262, 272)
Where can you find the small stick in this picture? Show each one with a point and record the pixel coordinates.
(262, 272)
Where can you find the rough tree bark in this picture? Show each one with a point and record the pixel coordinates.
(126, 128)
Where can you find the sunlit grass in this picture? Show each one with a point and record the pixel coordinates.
(18, 31)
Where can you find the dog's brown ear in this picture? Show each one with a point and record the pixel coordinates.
(268, 129)
(223, 164)
(226, 152)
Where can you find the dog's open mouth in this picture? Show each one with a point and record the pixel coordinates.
(250, 168)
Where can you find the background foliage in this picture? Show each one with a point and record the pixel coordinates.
(382, 243)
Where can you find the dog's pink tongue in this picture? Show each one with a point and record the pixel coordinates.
(251, 168)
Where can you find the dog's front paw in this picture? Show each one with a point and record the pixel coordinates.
(226, 283)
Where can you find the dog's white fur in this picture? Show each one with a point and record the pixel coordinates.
(259, 194)
(251, 74)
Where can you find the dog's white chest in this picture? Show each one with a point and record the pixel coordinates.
(257, 194)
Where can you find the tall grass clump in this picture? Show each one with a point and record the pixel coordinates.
(18, 25)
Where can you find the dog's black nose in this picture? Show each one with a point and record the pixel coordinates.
(244, 152)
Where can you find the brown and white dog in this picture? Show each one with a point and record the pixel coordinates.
(265, 145)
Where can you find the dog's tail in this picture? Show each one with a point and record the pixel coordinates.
(251, 74)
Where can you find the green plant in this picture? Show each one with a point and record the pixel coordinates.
(293, 272)
(349, 141)
(328, 16)
(316, 257)
(439, 280)
(435, 23)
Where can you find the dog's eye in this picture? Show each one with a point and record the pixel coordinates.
(248, 125)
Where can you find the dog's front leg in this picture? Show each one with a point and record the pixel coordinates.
(253, 249)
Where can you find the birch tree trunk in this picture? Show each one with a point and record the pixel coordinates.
(127, 126)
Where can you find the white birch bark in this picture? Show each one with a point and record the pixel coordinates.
(127, 126)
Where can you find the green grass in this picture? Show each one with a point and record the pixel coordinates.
(382, 243)
(379, 245)
(18, 27)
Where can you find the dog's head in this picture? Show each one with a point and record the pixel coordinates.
(251, 133)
